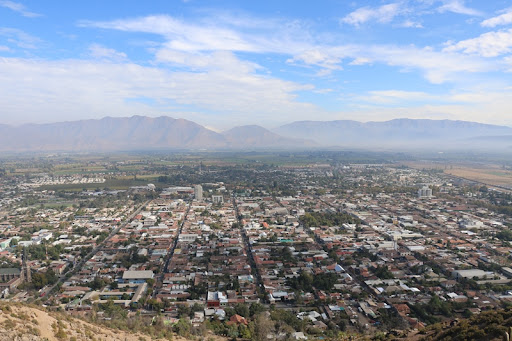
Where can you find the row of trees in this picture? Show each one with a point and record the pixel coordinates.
(306, 282)
(327, 219)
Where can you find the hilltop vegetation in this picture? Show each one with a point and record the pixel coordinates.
(489, 325)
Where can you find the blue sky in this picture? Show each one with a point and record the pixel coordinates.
(228, 63)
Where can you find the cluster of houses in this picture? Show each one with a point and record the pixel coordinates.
(226, 246)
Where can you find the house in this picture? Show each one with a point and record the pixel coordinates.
(299, 336)
(216, 299)
(4, 243)
(237, 320)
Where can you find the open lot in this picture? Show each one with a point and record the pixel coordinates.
(490, 174)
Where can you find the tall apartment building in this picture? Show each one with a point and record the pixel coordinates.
(198, 193)
(425, 192)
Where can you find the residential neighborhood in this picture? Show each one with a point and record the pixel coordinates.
(348, 248)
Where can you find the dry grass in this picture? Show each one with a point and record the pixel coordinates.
(491, 176)
(27, 323)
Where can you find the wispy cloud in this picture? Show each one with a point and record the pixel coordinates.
(436, 66)
(490, 44)
(319, 57)
(20, 38)
(18, 7)
(408, 10)
(459, 7)
(194, 45)
(381, 14)
(182, 36)
(98, 51)
(503, 19)
(411, 23)
(225, 33)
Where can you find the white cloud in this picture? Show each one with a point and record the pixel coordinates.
(318, 57)
(19, 38)
(411, 24)
(74, 89)
(182, 36)
(360, 61)
(193, 46)
(17, 7)
(4, 48)
(436, 66)
(490, 44)
(381, 14)
(502, 19)
(458, 6)
(98, 51)
(225, 33)
(224, 61)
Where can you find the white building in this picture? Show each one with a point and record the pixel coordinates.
(198, 192)
(425, 192)
(217, 199)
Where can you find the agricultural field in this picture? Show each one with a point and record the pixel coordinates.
(491, 174)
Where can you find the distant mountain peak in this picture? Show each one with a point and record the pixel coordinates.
(135, 133)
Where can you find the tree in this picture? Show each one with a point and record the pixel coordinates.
(39, 280)
(97, 283)
(242, 310)
(183, 327)
(263, 326)
(233, 331)
(244, 331)
(256, 308)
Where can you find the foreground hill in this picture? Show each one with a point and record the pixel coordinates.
(30, 323)
(489, 325)
(401, 133)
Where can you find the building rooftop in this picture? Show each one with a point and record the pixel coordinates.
(140, 274)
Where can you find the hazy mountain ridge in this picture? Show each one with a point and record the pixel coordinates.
(398, 133)
(253, 135)
(135, 133)
(166, 133)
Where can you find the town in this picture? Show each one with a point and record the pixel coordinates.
(254, 250)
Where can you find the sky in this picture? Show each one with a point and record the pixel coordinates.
(229, 63)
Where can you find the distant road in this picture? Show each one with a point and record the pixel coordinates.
(170, 254)
(250, 257)
(79, 266)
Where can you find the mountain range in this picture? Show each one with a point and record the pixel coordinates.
(401, 134)
(166, 133)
